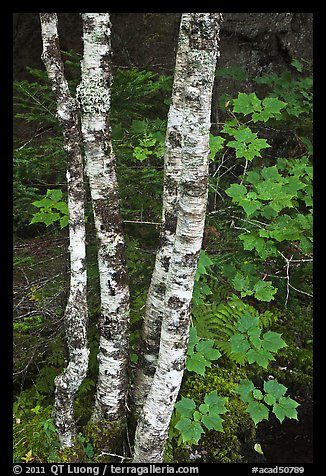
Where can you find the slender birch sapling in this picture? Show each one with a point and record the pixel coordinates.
(151, 328)
(152, 429)
(76, 312)
(94, 94)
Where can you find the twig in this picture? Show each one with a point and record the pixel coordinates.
(302, 292)
(288, 284)
(117, 456)
(142, 222)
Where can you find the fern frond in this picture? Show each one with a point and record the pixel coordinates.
(218, 320)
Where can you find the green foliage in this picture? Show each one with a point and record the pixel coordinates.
(249, 345)
(87, 446)
(273, 397)
(200, 353)
(216, 144)
(271, 203)
(260, 110)
(280, 197)
(245, 279)
(231, 445)
(201, 289)
(35, 436)
(35, 167)
(189, 420)
(218, 319)
(138, 118)
(247, 143)
(296, 91)
(52, 209)
(35, 99)
(261, 208)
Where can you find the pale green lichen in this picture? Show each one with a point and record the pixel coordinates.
(93, 95)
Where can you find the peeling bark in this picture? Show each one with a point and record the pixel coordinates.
(202, 30)
(76, 312)
(94, 95)
(151, 328)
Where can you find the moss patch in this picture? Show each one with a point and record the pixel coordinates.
(235, 443)
(107, 439)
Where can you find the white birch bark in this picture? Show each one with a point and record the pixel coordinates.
(154, 310)
(94, 95)
(152, 429)
(76, 310)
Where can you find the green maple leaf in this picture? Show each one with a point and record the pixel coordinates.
(216, 143)
(274, 388)
(197, 430)
(245, 135)
(268, 189)
(247, 322)
(236, 191)
(257, 394)
(254, 336)
(264, 291)
(204, 408)
(271, 109)
(44, 203)
(213, 422)
(253, 177)
(285, 407)
(193, 340)
(184, 425)
(245, 389)
(261, 116)
(258, 411)
(55, 195)
(271, 173)
(255, 147)
(197, 363)
(273, 342)
(191, 431)
(239, 345)
(197, 416)
(185, 406)
(250, 206)
(61, 206)
(215, 402)
(38, 217)
(261, 356)
(246, 103)
(269, 399)
(240, 282)
(249, 240)
(205, 347)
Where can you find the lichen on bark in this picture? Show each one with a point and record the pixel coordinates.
(201, 55)
(76, 313)
(94, 95)
(154, 310)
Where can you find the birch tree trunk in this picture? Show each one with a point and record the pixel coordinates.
(154, 310)
(76, 310)
(94, 94)
(152, 429)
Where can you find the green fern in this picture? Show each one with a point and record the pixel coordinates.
(217, 320)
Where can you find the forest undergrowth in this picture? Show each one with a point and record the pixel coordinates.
(249, 362)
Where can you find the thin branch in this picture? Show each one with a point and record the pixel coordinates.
(142, 222)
